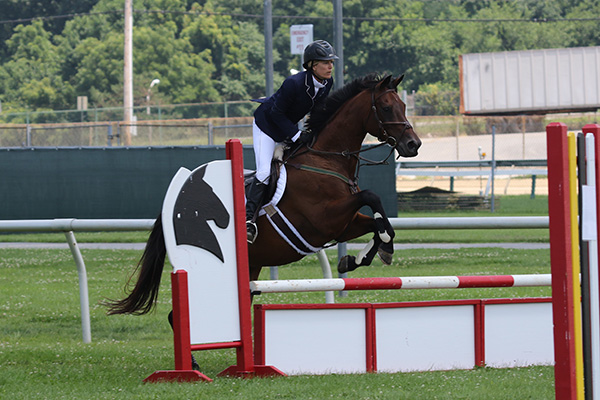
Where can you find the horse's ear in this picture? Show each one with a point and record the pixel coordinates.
(397, 81)
(385, 82)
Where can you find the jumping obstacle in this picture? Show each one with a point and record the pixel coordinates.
(205, 237)
(403, 337)
(419, 282)
(574, 252)
(376, 330)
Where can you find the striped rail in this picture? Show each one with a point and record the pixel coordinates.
(419, 282)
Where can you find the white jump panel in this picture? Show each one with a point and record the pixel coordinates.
(198, 225)
(316, 341)
(518, 334)
(425, 338)
(420, 336)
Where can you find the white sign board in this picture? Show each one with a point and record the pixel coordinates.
(197, 220)
(542, 80)
(300, 37)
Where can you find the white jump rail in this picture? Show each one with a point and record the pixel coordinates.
(70, 225)
(391, 283)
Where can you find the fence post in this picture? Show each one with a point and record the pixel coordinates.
(28, 133)
(109, 135)
(210, 133)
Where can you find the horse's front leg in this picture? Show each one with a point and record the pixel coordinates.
(382, 242)
(383, 227)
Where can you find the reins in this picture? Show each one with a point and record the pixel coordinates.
(385, 140)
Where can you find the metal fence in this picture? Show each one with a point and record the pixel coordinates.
(143, 133)
(69, 226)
(445, 138)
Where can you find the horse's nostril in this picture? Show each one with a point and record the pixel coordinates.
(413, 144)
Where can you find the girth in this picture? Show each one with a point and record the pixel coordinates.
(353, 183)
(287, 231)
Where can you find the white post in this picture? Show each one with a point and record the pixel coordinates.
(329, 297)
(589, 206)
(83, 287)
(128, 71)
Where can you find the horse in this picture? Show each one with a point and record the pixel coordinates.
(322, 198)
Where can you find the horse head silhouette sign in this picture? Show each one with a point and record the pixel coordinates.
(199, 232)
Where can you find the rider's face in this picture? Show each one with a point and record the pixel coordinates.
(322, 69)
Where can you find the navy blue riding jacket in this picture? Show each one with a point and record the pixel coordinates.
(279, 114)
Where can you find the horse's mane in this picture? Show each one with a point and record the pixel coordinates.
(326, 108)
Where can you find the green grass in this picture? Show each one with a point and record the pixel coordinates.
(42, 354)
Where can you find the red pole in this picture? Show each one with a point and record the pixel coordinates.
(181, 336)
(561, 261)
(245, 357)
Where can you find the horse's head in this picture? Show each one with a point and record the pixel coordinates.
(388, 121)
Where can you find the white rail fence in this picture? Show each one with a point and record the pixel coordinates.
(71, 225)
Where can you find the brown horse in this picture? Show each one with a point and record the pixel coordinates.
(321, 198)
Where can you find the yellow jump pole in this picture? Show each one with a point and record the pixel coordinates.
(572, 140)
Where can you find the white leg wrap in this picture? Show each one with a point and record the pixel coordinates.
(385, 237)
(362, 254)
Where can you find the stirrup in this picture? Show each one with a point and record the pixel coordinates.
(251, 232)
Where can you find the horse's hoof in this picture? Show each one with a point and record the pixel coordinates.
(195, 365)
(385, 257)
(347, 264)
(385, 253)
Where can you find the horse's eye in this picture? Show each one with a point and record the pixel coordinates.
(387, 109)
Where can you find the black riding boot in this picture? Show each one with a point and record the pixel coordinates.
(254, 197)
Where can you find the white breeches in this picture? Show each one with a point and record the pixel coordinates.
(263, 153)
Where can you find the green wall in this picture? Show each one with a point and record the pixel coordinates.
(118, 182)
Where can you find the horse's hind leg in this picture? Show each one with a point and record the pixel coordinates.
(195, 365)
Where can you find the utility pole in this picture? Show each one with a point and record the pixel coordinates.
(128, 73)
(338, 39)
(268, 11)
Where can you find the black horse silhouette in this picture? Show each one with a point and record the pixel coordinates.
(196, 204)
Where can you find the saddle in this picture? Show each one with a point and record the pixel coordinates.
(273, 193)
(274, 176)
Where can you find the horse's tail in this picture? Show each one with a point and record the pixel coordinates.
(142, 298)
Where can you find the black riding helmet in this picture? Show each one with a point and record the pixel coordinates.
(319, 50)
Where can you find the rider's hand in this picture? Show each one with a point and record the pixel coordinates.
(305, 138)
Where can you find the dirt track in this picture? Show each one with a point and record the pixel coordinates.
(502, 186)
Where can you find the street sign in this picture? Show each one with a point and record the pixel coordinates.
(300, 37)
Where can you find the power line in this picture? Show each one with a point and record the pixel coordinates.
(305, 17)
(53, 17)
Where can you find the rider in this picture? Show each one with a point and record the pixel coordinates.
(276, 119)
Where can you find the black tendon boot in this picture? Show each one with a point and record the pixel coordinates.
(254, 197)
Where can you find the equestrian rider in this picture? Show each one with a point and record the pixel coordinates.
(276, 119)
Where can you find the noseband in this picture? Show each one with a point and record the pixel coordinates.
(386, 137)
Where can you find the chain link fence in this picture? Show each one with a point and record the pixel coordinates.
(445, 139)
(142, 133)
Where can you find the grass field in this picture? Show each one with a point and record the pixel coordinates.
(42, 354)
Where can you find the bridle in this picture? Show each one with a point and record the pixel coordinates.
(386, 137)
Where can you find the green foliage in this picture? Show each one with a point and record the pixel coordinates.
(437, 99)
(205, 51)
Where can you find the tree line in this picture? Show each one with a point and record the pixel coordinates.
(211, 51)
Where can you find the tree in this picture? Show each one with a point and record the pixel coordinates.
(33, 68)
